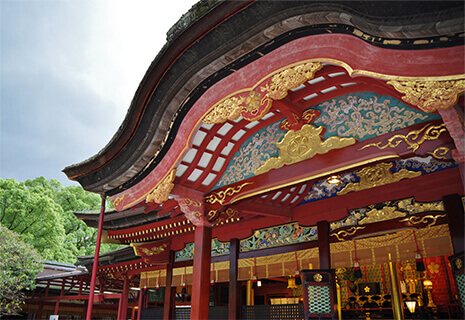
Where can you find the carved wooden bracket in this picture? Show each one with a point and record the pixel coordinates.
(192, 204)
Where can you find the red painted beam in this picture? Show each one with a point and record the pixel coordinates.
(263, 210)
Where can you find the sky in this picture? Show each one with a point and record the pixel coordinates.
(69, 70)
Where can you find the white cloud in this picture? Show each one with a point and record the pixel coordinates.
(69, 70)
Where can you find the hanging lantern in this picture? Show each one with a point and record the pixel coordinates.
(212, 281)
(254, 278)
(419, 262)
(212, 285)
(298, 280)
(418, 258)
(184, 288)
(291, 283)
(157, 288)
(357, 270)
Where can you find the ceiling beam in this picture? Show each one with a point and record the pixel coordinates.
(263, 210)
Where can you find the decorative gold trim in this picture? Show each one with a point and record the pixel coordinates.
(157, 249)
(386, 213)
(289, 79)
(193, 203)
(255, 106)
(318, 277)
(430, 96)
(458, 263)
(439, 153)
(118, 200)
(229, 109)
(340, 235)
(300, 145)
(418, 220)
(162, 190)
(220, 196)
(376, 176)
(413, 139)
(319, 175)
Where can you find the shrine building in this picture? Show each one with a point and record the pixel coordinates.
(284, 160)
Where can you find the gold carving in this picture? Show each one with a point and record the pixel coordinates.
(220, 196)
(229, 109)
(318, 277)
(458, 264)
(232, 107)
(211, 214)
(118, 200)
(162, 191)
(386, 213)
(289, 79)
(424, 219)
(418, 207)
(149, 251)
(430, 96)
(190, 202)
(413, 138)
(344, 233)
(439, 153)
(300, 145)
(375, 176)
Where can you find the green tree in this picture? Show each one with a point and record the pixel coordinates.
(32, 212)
(42, 212)
(19, 264)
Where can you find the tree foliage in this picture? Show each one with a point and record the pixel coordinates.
(41, 211)
(19, 264)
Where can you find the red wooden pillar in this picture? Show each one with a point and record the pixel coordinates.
(39, 312)
(95, 264)
(234, 287)
(201, 277)
(139, 303)
(323, 245)
(170, 292)
(455, 217)
(57, 304)
(123, 303)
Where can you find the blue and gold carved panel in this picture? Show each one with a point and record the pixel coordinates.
(322, 189)
(361, 115)
(278, 236)
(388, 210)
(252, 154)
(365, 115)
(218, 249)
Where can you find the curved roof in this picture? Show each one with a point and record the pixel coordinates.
(231, 33)
(207, 115)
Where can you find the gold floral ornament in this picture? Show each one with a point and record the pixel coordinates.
(253, 106)
(229, 109)
(300, 145)
(221, 196)
(378, 175)
(430, 96)
(162, 191)
(414, 138)
(290, 79)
